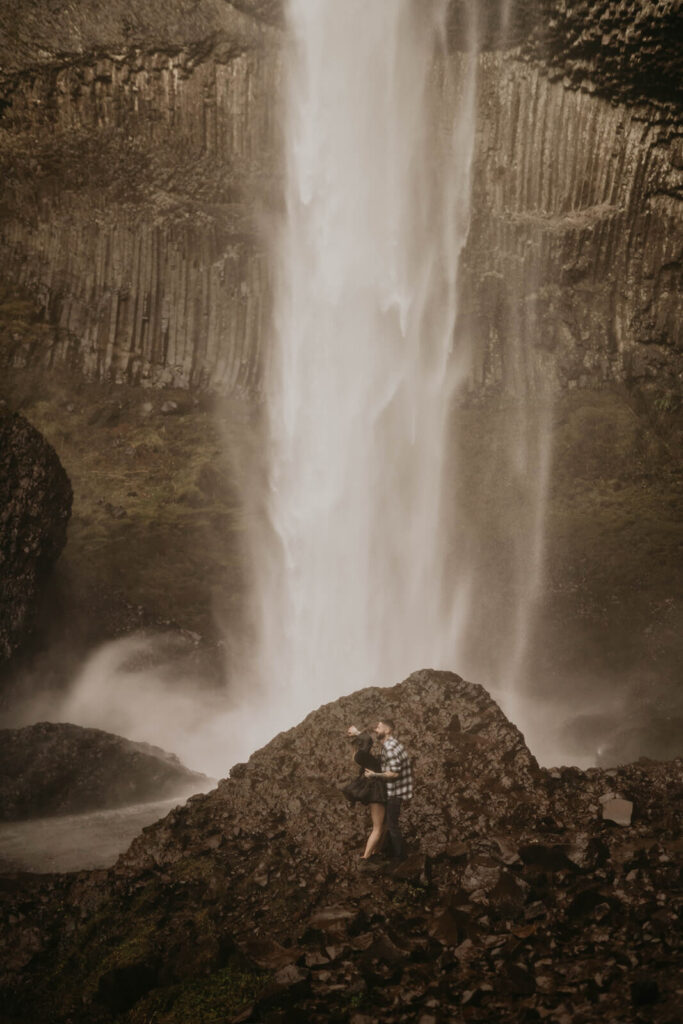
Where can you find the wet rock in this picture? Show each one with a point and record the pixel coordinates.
(333, 921)
(288, 983)
(415, 869)
(618, 811)
(457, 852)
(66, 769)
(449, 926)
(35, 505)
(548, 858)
(269, 954)
(481, 874)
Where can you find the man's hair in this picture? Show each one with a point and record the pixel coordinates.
(388, 720)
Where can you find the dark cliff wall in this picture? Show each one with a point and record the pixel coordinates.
(35, 505)
(139, 152)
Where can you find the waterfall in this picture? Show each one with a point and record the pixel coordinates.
(350, 585)
(366, 560)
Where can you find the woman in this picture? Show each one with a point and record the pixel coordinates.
(370, 791)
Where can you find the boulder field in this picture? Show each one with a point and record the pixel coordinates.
(528, 895)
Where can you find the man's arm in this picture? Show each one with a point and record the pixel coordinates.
(393, 769)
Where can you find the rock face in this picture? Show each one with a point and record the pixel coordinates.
(35, 504)
(133, 173)
(519, 901)
(572, 270)
(626, 49)
(139, 151)
(52, 768)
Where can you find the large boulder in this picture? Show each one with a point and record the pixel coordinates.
(35, 505)
(523, 898)
(52, 768)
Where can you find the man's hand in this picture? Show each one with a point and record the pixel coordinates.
(369, 774)
(352, 731)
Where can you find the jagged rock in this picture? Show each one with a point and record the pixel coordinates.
(510, 924)
(66, 769)
(35, 505)
(618, 811)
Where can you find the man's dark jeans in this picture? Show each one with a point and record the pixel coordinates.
(397, 847)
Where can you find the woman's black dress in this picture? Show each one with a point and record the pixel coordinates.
(361, 789)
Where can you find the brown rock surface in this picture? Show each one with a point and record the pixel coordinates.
(517, 902)
(59, 768)
(572, 270)
(35, 504)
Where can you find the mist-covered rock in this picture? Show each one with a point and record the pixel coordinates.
(522, 898)
(35, 505)
(58, 768)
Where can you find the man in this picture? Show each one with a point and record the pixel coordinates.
(397, 772)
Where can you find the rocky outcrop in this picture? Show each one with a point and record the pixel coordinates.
(626, 49)
(35, 505)
(58, 768)
(528, 894)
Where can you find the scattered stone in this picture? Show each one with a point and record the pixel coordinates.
(618, 811)
(269, 954)
(545, 937)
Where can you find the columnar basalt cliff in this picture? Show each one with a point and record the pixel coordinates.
(574, 257)
(139, 153)
(133, 180)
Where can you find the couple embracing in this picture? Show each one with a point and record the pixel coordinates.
(384, 783)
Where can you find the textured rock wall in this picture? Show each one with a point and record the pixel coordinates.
(626, 49)
(35, 505)
(137, 178)
(134, 182)
(574, 256)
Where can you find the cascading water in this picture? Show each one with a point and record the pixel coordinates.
(351, 586)
(390, 531)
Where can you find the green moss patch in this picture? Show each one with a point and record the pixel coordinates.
(216, 998)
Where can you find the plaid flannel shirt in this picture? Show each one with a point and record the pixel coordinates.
(395, 759)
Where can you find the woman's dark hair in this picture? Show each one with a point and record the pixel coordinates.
(388, 720)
